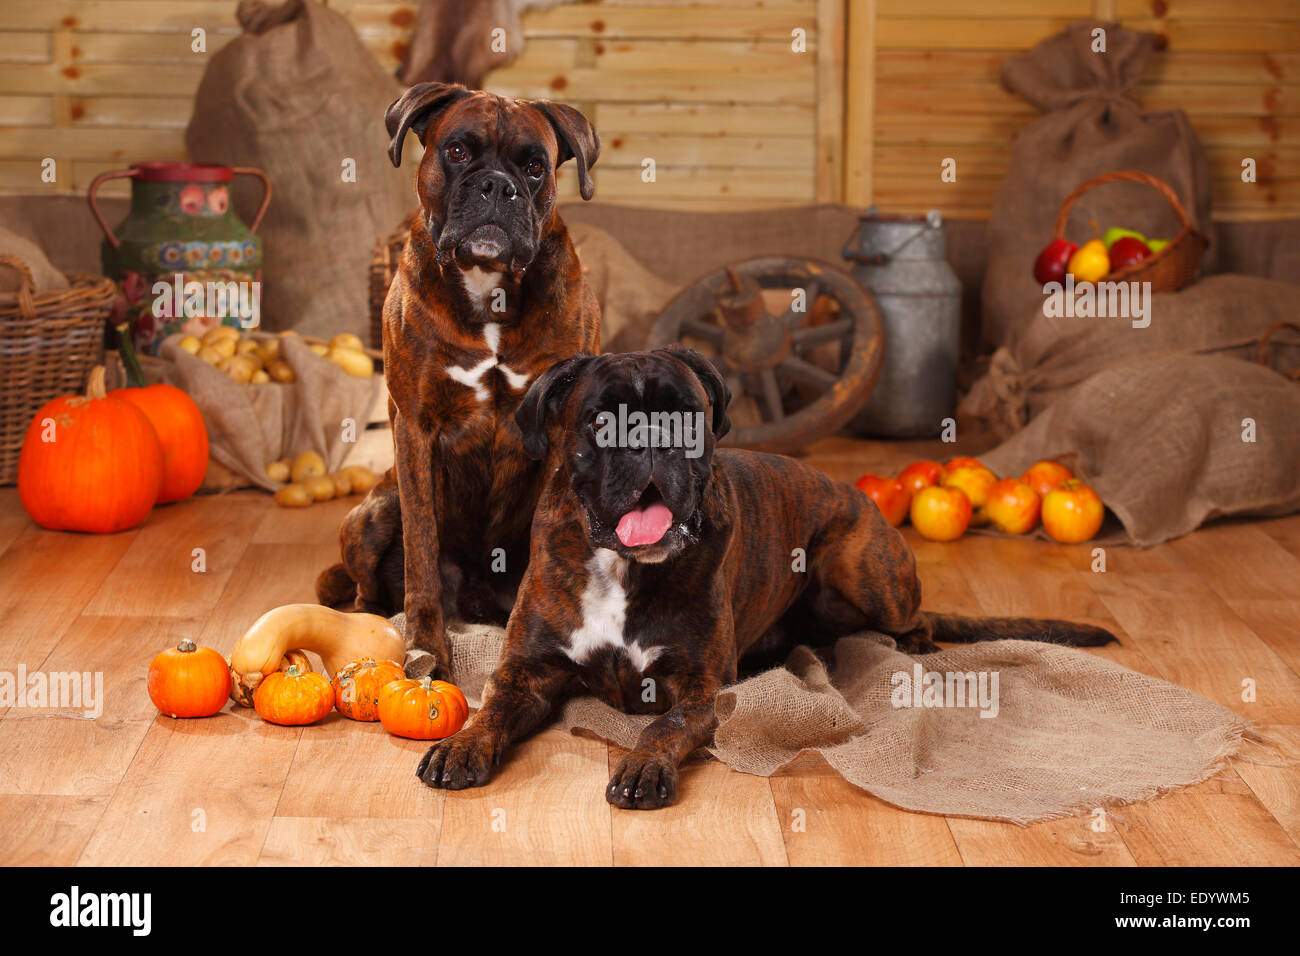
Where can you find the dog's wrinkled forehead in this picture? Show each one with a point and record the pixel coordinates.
(642, 380)
(500, 123)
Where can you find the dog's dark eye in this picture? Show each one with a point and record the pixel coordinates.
(535, 168)
(457, 153)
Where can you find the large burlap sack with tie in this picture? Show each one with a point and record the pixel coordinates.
(1068, 731)
(1090, 126)
(324, 410)
(299, 96)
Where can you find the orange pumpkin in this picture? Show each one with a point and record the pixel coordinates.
(422, 709)
(181, 431)
(176, 419)
(293, 697)
(357, 686)
(90, 463)
(189, 681)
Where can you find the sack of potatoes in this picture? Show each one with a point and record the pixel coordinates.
(255, 359)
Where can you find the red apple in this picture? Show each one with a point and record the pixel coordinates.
(889, 495)
(1051, 262)
(1072, 512)
(941, 514)
(1045, 475)
(1126, 252)
(920, 474)
(1012, 506)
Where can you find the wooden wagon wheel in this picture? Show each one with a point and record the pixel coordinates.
(766, 356)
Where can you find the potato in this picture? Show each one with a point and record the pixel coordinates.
(268, 350)
(293, 496)
(280, 371)
(220, 333)
(190, 344)
(346, 340)
(361, 478)
(357, 364)
(225, 346)
(318, 348)
(307, 465)
(278, 471)
(210, 355)
(342, 487)
(238, 367)
(259, 377)
(321, 488)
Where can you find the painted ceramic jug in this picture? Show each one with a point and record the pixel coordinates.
(183, 261)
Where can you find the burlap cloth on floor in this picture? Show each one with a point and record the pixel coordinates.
(1072, 732)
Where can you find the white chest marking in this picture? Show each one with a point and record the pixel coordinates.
(480, 283)
(473, 377)
(604, 613)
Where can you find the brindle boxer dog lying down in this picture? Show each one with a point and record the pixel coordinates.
(675, 564)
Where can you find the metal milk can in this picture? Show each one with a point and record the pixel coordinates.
(902, 260)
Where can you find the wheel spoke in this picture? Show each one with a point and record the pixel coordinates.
(815, 335)
(772, 395)
(807, 373)
(736, 386)
(701, 330)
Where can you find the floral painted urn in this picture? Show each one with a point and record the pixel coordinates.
(183, 261)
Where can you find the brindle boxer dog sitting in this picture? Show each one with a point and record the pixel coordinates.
(656, 562)
(488, 295)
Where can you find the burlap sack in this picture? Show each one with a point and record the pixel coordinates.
(1090, 127)
(1072, 731)
(44, 275)
(252, 425)
(630, 296)
(304, 101)
(1162, 441)
(1048, 356)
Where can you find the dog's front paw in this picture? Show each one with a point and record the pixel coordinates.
(460, 761)
(420, 664)
(643, 781)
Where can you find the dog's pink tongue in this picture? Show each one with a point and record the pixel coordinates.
(644, 526)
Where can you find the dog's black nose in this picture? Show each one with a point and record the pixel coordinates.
(499, 186)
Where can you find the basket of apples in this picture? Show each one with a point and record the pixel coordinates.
(942, 501)
(1123, 255)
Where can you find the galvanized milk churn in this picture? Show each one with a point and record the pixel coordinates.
(902, 260)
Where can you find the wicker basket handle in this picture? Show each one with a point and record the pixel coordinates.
(13, 262)
(26, 285)
(1128, 175)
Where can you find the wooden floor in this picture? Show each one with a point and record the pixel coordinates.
(1208, 611)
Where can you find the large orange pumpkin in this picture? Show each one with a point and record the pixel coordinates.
(293, 697)
(181, 432)
(422, 709)
(189, 681)
(90, 463)
(357, 686)
(176, 419)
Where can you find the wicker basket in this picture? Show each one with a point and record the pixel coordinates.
(383, 266)
(1168, 270)
(48, 342)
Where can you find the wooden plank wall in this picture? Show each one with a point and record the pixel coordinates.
(709, 89)
(1234, 67)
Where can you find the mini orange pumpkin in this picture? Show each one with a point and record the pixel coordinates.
(357, 686)
(188, 681)
(422, 709)
(293, 697)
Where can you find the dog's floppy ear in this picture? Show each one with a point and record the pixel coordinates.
(577, 138)
(416, 109)
(544, 399)
(711, 379)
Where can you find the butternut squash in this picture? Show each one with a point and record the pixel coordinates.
(337, 637)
